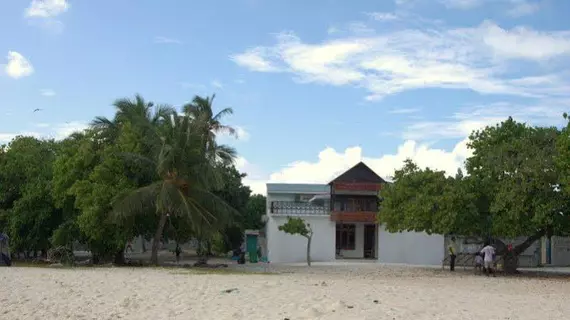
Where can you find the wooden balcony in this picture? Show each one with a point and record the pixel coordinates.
(354, 216)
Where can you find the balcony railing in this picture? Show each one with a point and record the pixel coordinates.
(298, 208)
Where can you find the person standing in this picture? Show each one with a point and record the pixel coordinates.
(177, 251)
(452, 254)
(489, 253)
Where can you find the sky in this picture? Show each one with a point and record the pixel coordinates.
(316, 86)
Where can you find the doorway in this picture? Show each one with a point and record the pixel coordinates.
(370, 241)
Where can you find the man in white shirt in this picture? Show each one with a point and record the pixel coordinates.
(489, 252)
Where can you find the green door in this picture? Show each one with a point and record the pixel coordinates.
(251, 243)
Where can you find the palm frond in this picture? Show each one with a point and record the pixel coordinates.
(224, 112)
(101, 123)
(139, 201)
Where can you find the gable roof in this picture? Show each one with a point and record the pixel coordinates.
(359, 173)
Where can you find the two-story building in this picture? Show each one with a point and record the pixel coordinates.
(343, 217)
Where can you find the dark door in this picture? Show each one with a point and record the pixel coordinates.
(369, 241)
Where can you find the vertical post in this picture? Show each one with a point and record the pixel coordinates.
(548, 250)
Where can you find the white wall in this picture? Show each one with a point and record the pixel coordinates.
(560, 251)
(286, 248)
(416, 248)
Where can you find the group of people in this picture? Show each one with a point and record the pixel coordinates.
(484, 259)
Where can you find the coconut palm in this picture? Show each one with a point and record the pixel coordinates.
(200, 110)
(185, 177)
(137, 112)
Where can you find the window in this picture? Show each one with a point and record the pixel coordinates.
(303, 197)
(345, 235)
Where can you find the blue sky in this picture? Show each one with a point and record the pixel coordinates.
(315, 85)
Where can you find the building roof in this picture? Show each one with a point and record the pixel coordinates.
(308, 188)
(359, 173)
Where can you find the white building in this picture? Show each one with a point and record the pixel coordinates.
(342, 215)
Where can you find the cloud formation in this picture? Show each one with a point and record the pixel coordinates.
(57, 131)
(18, 66)
(46, 8)
(479, 58)
(44, 13)
(330, 163)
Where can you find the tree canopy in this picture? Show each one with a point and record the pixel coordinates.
(514, 186)
(123, 177)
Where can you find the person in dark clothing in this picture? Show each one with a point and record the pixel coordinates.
(178, 251)
(452, 254)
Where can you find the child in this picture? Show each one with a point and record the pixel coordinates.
(478, 262)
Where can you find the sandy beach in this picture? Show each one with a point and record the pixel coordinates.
(357, 292)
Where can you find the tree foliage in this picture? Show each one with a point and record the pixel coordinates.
(123, 177)
(512, 189)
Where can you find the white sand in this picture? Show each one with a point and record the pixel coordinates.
(345, 293)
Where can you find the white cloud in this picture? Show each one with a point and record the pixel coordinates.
(404, 110)
(524, 43)
(43, 13)
(404, 2)
(47, 92)
(242, 134)
(7, 137)
(416, 146)
(166, 40)
(462, 4)
(46, 8)
(383, 16)
(254, 59)
(477, 58)
(516, 8)
(462, 123)
(56, 131)
(62, 131)
(18, 66)
(217, 84)
(255, 179)
(331, 163)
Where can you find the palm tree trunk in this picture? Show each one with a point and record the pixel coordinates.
(156, 240)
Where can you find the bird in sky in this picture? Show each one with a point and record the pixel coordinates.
(38, 109)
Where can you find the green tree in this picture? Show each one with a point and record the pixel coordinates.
(426, 200)
(184, 178)
(298, 226)
(208, 124)
(29, 214)
(255, 209)
(510, 191)
(237, 195)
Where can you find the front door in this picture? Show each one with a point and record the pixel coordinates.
(370, 241)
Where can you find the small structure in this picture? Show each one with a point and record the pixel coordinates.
(251, 244)
(343, 217)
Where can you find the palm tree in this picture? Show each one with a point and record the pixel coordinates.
(185, 177)
(137, 112)
(200, 110)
